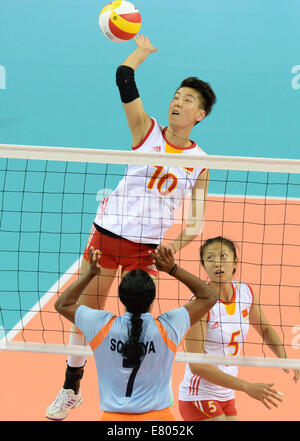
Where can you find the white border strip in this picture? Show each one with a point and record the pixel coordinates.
(181, 357)
(39, 305)
(132, 157)
(249, 196)
(266, 362)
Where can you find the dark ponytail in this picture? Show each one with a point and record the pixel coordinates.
(136, 292)
(133, 350)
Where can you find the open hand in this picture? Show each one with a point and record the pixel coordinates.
(144, 43)
(163, 258)
(265, 393)
(296, 375)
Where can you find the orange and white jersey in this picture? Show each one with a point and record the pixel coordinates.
(142, 206)
(226, 330)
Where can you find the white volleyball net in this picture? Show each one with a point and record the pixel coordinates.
(49, 199)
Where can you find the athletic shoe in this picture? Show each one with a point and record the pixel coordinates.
(66, 399)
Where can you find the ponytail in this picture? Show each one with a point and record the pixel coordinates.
(136, 292)
(133, 350)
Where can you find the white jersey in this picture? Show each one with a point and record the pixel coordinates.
(142, 206)
(226, 330)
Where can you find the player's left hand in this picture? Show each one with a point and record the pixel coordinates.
(144, 43)
(171, 247)
(264, 392)
(296, 375)
(94, 258)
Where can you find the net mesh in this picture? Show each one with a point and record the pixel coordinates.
(50, 197)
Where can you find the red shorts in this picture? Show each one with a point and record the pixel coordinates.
(117, 251)
(203, 410)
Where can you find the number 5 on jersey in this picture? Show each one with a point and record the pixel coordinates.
(234, 343)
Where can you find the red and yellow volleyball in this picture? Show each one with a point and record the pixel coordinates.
(120, 21)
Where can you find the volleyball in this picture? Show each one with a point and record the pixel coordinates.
(120, 21)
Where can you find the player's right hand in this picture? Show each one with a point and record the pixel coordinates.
(265, 393)
(163, 258)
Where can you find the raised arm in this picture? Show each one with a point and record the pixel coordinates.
(206, 297)
(139, 121)
(67, 303)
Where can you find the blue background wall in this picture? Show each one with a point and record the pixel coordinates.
(60, 72)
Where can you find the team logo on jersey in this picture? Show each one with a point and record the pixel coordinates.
(156, 148)
(245, 315)
(188, 171)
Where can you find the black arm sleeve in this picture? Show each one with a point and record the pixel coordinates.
(126, 84)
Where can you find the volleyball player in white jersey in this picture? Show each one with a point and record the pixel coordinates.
(207, 391)
(134, 352)
(133, 219)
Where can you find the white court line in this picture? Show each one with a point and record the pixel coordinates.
(42, 302)
(249, 196)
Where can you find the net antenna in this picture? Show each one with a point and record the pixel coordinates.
(48, 203)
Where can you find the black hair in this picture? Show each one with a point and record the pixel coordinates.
(136, 292)
(221, 239)
(208, 97)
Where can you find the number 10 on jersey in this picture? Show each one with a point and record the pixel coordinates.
(160, 181)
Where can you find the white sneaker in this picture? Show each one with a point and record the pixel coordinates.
(66, 399)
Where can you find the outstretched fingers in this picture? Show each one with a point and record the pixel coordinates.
(143, 42)
(163, 258)
(271, 396)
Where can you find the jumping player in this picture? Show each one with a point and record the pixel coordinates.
(133, 219)
(207, 391)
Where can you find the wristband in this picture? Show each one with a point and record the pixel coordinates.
(173, 270)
